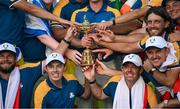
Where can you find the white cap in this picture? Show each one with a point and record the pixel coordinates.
(133, 58)
(55, 56)
(156, 41)
(7, 47)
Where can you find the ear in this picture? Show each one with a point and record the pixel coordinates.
(64, 68)
(45, 68)
(167, 51)
(167, 24)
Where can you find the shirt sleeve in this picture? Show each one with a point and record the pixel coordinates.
(8, 3)
(80, 89)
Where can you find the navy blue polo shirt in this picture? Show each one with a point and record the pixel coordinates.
(12, 22)
(106, 13)
(65, 8)
(47, 95)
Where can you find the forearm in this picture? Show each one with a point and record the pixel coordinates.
(62, 47)
(48, 41)
(121, 47)
(131, 15)
(76, 42)
(38, 12)
(173, 103)
(113, 72)
(168, 78)
(125, 28)
(97, 91)
(129, 38)
(86, 90)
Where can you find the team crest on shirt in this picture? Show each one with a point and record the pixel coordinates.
(71, 95)
(21, 85)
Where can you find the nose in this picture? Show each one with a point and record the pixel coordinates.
(54, 68)
(153, 55)
(129, 69)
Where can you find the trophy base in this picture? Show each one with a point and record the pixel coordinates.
(87, 58)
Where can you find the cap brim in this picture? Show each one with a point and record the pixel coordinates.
(132, 63)
(152, 47)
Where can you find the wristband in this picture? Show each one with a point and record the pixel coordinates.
(68, 42)
(92, 82)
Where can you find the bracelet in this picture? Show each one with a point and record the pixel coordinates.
(68, 42)
(114, 22)
(92, 82)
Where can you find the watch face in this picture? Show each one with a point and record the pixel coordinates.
(153, 69)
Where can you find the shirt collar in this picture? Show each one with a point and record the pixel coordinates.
(103, 8)
(64, 81)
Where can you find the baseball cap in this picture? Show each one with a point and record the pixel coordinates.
(133, 58)
(156, 41)
(7, 47)
(54, 56)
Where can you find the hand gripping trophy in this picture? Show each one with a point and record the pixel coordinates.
(87, 55)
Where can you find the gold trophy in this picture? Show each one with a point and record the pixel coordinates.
(87, 55)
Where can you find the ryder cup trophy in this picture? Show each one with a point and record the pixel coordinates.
(87, 55)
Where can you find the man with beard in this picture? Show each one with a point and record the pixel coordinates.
(158, 24)
(173, 9)
(16, 83)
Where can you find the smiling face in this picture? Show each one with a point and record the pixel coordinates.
(55, 70)
(131, 72)
(157, 56)
(156, 25)
(173, 8)
(7, 61)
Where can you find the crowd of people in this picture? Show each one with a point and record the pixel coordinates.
(136, 45)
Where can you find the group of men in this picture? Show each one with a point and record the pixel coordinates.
(151, 80)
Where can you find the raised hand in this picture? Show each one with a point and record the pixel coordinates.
(101, 68)
(87, 42)
(105, 52)
(104, 25)
(106, 35)
(147, 65)
(74, 55)
(89, 72)
(70, 33)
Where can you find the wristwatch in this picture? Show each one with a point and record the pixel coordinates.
(152, 70)
(165, 103)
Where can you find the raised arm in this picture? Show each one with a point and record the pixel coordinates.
(38, 12)
(95, 89)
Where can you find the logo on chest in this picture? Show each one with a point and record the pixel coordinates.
(71, 95)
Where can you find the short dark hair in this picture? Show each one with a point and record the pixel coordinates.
(160, 11)
(164, 3)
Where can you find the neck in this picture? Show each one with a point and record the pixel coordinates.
(4, 76)
(96, 6)
(48, 6)
(130, 83)
(57, 83)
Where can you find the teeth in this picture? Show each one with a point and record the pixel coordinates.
(130, 74)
